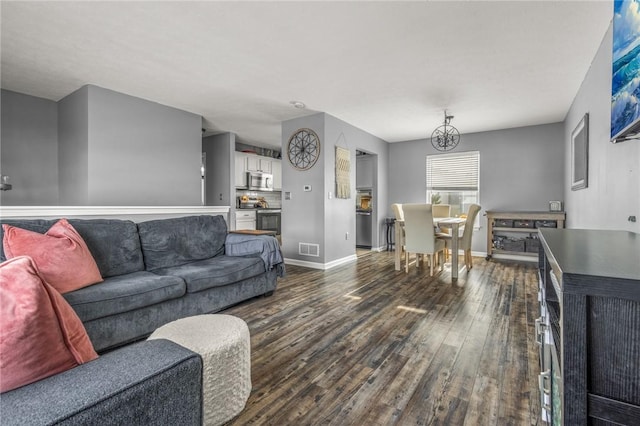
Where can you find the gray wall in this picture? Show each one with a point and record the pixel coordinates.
(520, 169)
(341, 213)
(220, 169)
(303, 215)
(141, 152)
(29, 149)
(99, 147)
(613, 192)
(73, 148)
(315, 217)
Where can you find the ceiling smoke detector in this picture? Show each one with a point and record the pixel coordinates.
(298, 104)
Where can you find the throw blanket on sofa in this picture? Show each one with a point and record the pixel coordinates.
(266, 246)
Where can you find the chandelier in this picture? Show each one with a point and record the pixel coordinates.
(445, 137)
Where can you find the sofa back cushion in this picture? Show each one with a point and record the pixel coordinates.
(41, 335)
(173, 242)
(61, 254)
(37, 225)
(114, 243)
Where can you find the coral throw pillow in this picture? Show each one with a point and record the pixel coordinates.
(40, 334)
(62, 256)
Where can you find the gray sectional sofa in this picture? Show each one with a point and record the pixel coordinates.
(162, 270)
(156, 382)
(154, 272)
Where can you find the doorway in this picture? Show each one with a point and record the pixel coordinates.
(365, 208)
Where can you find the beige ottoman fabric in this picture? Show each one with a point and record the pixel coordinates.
(223, 343)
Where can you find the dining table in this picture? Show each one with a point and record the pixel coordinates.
(454, 223)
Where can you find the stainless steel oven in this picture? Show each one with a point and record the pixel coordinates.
(269, 220)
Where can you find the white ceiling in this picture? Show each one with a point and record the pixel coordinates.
(387, 67)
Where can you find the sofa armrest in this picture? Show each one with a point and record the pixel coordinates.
(264, 246)
(151, 382)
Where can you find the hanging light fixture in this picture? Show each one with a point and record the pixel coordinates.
(445, 137)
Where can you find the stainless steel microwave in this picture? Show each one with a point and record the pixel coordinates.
(258, 181)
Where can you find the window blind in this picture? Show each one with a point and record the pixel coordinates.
(453, 172)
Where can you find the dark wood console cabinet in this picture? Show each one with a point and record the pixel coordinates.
(590, 294)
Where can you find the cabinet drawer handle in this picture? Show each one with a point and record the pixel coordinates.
(545, 394)
(540, 330)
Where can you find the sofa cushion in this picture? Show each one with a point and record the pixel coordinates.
(124, 293)
(215, 272)
(172, 242)
(62, 256)
(149, 383)
(114, 243)
(40, 334)
(37, 225)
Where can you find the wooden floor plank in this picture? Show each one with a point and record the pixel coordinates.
(365, 344)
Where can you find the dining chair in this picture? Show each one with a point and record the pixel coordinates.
(420, 236)
(464, 241)
(397, 211)
(441, 210)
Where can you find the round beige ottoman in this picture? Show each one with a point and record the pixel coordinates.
(223, 343)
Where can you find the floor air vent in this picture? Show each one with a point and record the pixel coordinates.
(308, 249)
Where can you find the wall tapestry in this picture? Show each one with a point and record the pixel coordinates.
(343, 172)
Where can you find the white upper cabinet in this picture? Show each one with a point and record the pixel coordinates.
(241, 170)
(256, 163)
(365, 171)
(276, 171)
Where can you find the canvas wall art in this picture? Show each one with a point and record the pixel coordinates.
(625, 82)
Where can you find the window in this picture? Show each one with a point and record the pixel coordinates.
(454, 179)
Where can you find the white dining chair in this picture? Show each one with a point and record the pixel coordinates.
(397, 212)
(420, 237)
(441, 210)
(464, 241)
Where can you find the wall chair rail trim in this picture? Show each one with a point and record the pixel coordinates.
(140, 212)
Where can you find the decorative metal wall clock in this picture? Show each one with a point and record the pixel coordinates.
(303, 149)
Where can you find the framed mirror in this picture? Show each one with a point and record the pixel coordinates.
(580, 154)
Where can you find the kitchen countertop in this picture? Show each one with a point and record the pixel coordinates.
(259, 208)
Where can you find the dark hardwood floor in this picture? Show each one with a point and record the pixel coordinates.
(362, 344)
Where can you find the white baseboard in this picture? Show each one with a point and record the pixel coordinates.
(323, 266)
(515, 257)
(504, 256)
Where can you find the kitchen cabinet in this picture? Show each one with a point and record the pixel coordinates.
(590, 310)
(245, 219)
(241, 170)
(276, 171)
(510, 232)
(365, 176)
(256, 163)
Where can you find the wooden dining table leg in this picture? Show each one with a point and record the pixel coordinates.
(398, 246)
(454, 251)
